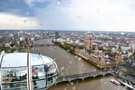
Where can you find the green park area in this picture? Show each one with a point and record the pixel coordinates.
(68, 47)
(7, 49)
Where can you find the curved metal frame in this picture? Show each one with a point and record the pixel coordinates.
(29, 71)
(1, 57)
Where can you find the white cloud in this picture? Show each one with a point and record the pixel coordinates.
(77, 15)
(8, 21)
(89, 15)
(105, 14)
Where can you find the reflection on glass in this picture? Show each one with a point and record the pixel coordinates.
(51, 74)
(38, 76)
(14, 78)
(43, 75)
(51, 80)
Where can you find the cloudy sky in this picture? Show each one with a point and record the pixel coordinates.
(107, 15)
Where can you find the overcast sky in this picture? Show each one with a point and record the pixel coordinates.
(107, 15)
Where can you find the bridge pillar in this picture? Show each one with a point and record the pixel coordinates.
(69, 80)
(103, 74)
(83, 78)
(94, 76)
(55, 84)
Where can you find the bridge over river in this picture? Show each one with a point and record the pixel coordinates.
(42, 45)
(83, 76)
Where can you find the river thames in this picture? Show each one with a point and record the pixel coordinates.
(70, 64)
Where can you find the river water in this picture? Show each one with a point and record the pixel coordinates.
(70, 64)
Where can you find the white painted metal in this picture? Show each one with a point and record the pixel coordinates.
(1, 58)
(29, 73)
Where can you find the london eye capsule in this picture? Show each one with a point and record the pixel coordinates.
(27, 71)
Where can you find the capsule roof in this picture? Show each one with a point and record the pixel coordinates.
(20, 59)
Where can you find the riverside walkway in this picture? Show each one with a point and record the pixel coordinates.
(83, 76)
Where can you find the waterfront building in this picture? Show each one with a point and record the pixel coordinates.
(89, 44)
(101, 60)
(27, 71)
(96, 49)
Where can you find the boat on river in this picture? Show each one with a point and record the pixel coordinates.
(114, 81)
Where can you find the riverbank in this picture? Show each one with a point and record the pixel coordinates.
(70, 64)
(71, 49)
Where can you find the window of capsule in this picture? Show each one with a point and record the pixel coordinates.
(43, 76)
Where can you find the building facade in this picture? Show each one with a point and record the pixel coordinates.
(99, 59)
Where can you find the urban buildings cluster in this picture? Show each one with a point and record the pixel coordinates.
(17, 40)
(104, 49)
(109, 44)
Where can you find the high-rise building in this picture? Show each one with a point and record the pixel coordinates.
(57, 35)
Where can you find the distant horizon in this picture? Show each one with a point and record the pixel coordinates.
(63, 30)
